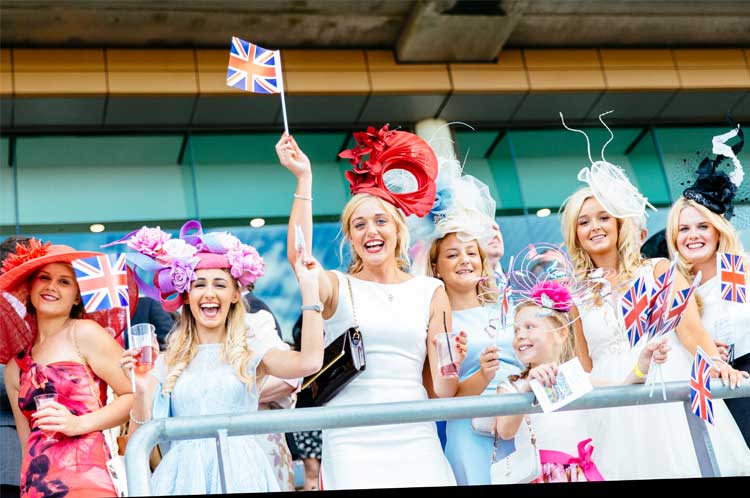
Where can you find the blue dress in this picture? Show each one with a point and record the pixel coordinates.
(210, 386)
(469, 453)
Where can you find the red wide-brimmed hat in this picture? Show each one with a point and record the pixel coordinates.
(17, 327)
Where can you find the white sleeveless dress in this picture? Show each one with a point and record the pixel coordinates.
(393, 319)
(649, 441)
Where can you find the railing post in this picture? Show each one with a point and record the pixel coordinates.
(222, 450)
(704, 450)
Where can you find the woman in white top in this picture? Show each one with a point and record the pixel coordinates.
(597, 240)
(699, 228)
(399, 315)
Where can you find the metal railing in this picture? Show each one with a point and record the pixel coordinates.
(220, 427)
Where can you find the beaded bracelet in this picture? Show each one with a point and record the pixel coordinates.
(139, 422)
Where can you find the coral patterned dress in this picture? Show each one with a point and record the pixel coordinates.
(71, 466)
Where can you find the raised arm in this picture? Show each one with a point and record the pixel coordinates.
(309, 359)
(293, 159)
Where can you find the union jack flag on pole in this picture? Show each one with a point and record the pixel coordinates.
(103, 282)
(253, 68)
(679, 305)
(700, 386)
(660, 301)
(634, 306)
(732, 271)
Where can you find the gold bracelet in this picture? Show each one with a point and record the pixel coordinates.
(638, 372)
(139, 422)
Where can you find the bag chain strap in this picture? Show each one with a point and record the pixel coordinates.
(351, 298)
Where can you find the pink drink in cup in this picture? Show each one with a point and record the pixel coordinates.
(144, 340)
(42, 400)
(447, 351)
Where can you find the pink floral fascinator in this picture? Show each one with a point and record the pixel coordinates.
(165, 267)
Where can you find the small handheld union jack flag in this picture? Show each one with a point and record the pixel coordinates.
(700, 386)
(659, 303)
(732, 271)
(103, 282)
(679, 305)
(253, 68)
(634, 306)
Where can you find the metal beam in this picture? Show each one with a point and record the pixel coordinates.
(304, 419)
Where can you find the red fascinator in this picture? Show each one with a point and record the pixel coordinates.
(389, 150)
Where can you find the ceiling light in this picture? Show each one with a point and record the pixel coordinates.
(257, 222)
(544, 212)
(97, 228)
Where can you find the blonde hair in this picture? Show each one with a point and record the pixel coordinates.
(402, 232)
(568, 350)
(628, 238)
(486, 289)
(182, 344)
(729, 240)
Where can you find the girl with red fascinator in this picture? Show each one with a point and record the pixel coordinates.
(63, 364)
(400, 316)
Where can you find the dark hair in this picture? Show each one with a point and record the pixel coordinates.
(8, 246)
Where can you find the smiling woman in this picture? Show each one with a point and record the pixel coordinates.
(217, 355)
(399, 316)
(71, 360)
(600, 242)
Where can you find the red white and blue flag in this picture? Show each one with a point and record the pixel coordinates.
(732, 274)
(679, 305)
(253, 68)
(634, 306)
(700, 387)
(103, 282)
(659, 303)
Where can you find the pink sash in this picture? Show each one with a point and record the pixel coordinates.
(583, 460)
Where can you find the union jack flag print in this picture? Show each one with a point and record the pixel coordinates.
(253, 69)
(700, 387)
(679, 305)
(103, 282)
(634, 306)
(732, 272)
(660, 301)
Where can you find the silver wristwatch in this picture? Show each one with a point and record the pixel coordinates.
(313, 307)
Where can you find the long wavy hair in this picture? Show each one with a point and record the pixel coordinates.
(628, 239)
(568, 350)
(486, 289)
(402, 232)
(729, 240)
(182, 343)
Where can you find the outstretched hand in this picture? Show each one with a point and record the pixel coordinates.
(291, 156)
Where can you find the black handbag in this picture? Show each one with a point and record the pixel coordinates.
(343, 361)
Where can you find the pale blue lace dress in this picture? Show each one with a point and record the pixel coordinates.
(210, 386)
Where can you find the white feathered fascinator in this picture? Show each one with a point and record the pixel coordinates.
(609, 183)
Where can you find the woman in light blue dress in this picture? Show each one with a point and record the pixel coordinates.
(217, 356)
(448, 247)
